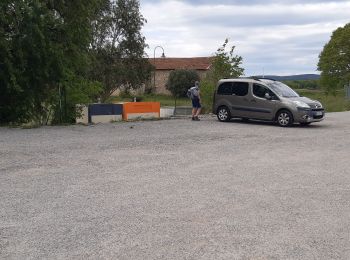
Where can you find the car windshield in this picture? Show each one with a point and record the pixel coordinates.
(281, 89)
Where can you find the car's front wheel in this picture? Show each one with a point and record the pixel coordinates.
(284, 118)
(223, 114)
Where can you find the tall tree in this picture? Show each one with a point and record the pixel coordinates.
(32, 66)
(225, 65)
(44, 46)
(118, 48)
(334, 62)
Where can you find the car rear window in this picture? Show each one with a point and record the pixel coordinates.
(240, 88)
(225, 89)
(233, 88)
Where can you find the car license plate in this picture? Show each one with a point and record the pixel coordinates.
(318, 113)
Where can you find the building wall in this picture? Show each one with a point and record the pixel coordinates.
(162, 78)
(136, 92)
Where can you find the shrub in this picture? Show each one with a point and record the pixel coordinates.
(207, 92)
(180, 81)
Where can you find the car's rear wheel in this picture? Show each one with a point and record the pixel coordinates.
(223, 114)
(284, 118)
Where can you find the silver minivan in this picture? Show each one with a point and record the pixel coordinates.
(264, 99)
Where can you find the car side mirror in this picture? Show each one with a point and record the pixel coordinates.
(267, 96)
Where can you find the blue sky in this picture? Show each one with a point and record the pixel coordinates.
(273, 36)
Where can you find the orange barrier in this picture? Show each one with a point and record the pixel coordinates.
(136, 110)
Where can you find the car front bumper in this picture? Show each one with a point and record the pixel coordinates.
(309, 115)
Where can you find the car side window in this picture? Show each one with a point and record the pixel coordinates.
(260, 91)
(240, 88)
(225, 89)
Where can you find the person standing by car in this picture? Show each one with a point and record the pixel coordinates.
(194, 94)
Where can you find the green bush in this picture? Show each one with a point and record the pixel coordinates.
(207, 92)
(74, 91)
(303, 84)
(335, 102)
(180, 81)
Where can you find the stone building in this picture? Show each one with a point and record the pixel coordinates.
(165, 65)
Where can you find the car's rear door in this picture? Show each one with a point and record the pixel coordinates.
(240, 96)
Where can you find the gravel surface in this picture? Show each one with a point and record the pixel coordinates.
(176, 189)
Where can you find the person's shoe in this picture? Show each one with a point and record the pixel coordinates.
(193, 118)
(196, 118)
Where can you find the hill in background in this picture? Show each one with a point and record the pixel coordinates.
(292, 77)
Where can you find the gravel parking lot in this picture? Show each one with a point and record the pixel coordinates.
(176, 189)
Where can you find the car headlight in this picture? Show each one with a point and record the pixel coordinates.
(318, 105)
(301, 104)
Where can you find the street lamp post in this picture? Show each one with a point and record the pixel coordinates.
(154, 62)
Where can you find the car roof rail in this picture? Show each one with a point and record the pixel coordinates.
(245, 77)
(259, 78)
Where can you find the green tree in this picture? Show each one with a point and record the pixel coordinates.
(180, 81)
(118, 47)
(334, 60)
(75, 38)
(225, 65)
(30, 67)
(44, 47)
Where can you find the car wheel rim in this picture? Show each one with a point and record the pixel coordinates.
(283, 119)
(223, 114)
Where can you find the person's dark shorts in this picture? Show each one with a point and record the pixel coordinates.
(196, 103)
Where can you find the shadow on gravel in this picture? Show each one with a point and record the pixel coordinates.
(269, 123)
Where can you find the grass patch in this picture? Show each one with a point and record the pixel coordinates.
(163, 99)
(332, 103)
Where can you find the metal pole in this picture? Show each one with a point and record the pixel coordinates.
(154, 62)
(347, 90)
(65, 104)
(60, 102)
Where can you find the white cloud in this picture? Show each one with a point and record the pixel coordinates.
(279, 36)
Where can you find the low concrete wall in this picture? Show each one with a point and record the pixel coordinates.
(99, 113)
(84, 117)
(183, 111)
(106, 113)
(166, 112)
(140, 110)
(106, 118)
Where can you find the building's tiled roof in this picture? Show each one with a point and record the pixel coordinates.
(197, 63)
